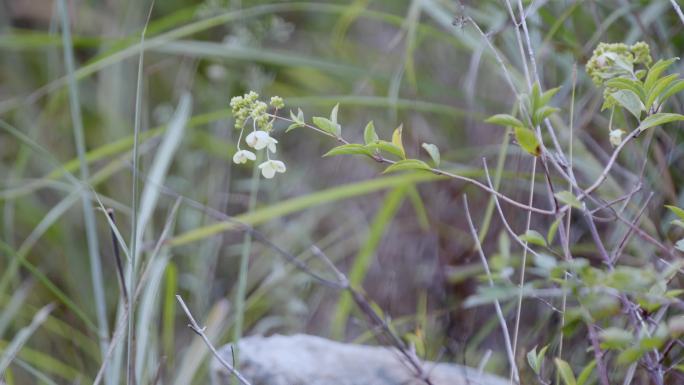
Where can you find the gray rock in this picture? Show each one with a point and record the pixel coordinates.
(309, 360)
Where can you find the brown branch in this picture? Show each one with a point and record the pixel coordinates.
(200, 332)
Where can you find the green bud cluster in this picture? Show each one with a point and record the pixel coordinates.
(248, 106)
(611, 60)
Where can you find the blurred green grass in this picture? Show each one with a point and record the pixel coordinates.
(390, 61)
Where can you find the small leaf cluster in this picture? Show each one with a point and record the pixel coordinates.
(638, 91)
(373, 146)
(535, 109)
(645, 95)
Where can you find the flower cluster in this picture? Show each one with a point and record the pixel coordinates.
(248, 108)
(611, 60)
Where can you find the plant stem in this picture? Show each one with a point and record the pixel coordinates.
(244, 263)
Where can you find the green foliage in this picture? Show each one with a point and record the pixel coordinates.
(565, 372)
(433, 151)
(535, 360)
(527, 139)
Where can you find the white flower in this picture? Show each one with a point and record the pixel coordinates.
(616, 137)
(242, 156)
(270, 167)
(261, 139)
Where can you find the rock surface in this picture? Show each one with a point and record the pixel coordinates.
(309, 360)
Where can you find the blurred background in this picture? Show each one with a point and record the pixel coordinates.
(403, 239)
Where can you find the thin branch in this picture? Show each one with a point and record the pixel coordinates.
(497, 306)
(200, 332)
(380, 159)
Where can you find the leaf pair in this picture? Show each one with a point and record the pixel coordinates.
(536, 106)
(525, 137)
(637, 96)
(329, 126)
(373, 145)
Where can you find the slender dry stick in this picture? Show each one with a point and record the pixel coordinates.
(505, 222)
(497, 306)
(566, 241)
(598, 355)
(530, 50)
(526, 70)
(617, 251)
(523, 263)
(200, 332)
(523, 58)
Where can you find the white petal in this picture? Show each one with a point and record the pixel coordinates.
(251, 139)
(249, 155)
(237, 159)
(279, 166)
(272, 147)
(268, 172)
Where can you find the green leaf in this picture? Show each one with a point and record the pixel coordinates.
(655, 71)
(615, 338)
(504, 120)
(658, 120)
(328, 126)
(586, 372)
(629, 101)
(541, 355)
(659, 87)
(397, 141)
(569, 199)
(433, 151)
(650, 343)
(547, 96)
(384, 145)
(543, 113)
(333, 113)
(630, 356)
(628, 85)
(553, 229)
(678, 222)
(677, 211)
(349, 149)
(298, 120)
(533, 237)
(674, 88)
(369, 135)
(408, 164)
(527, 140)
(565, 372)
(532, 360)
(535, 97)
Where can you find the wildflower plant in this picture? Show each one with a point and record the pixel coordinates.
(249, 111)
(631, 312)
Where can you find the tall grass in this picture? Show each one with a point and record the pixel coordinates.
(160, 158)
